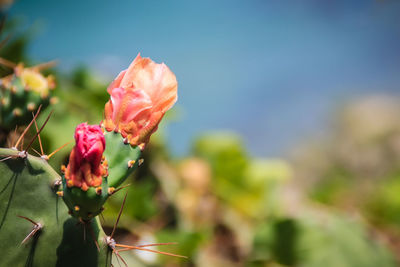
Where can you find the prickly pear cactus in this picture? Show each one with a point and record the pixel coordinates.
(36, 228)
(21, 94)
(91, 176)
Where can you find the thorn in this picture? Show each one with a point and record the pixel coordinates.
(159, 244)
(15, 134)
(4, 159)
(119, 216)
(141, 161)
(77, 208)
(93, 236)
(131, 163)
(37, 152)
(7, 63)
(27, 128)
(40, 141)
(84, 229)
(58, 149)
(122, 259)
(26, 218)
(150, 245)
(5, 40)
(22, 144)
(43, 66)
(41, 128)
(122, 187)
(150, 250)
(36, 228)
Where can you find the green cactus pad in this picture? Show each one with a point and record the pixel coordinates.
(26, 189)
(85, 204)
(118, 154)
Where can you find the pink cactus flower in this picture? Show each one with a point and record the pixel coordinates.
(140, 96)
(85, 168)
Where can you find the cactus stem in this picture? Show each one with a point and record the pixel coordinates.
(27, 128)
(131, 163)
(36, 228)
(102, 218)
(141, 161)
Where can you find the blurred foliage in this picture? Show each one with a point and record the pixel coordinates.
(335, 204)
(356, 168)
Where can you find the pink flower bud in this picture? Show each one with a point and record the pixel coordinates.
(85, 168)
(140, 96)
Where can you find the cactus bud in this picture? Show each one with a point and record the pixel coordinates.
(140, 96)
(84, 169)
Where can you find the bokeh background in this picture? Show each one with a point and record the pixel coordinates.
(284, 146)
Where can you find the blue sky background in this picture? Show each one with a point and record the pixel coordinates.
(272, 71)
